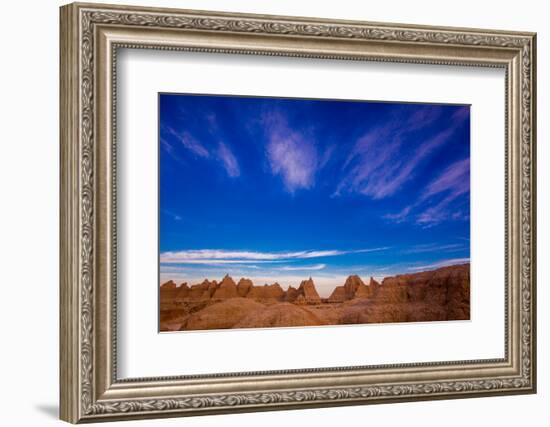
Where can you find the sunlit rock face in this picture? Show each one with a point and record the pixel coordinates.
(436, 295)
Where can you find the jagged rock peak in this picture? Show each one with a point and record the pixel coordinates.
(266, 291)
(354, 278)
(244, 286)
(373, 282)
(169, 285)
(291, 294)
(244, 282)
(338, 294)
(276, 287)
(354, 287)
(205, 283)
(352, 283)
(227, 281)
(307, 289)
(226, 289)
(307, 283)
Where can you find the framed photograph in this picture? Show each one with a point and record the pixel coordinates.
(264, 188)
(266, 213)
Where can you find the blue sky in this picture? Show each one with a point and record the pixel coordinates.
(283, 189)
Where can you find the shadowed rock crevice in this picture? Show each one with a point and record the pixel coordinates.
(436, 295)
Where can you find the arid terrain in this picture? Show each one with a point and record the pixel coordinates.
(436, 295)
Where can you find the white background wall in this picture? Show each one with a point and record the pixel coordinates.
(29, 170)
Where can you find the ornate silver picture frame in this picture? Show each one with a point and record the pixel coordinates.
(91, 36)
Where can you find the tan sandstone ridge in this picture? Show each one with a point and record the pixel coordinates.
(226, 289)
(222, 315)
(282, 314)
(353, 288)
(266, 293)
(442, 294)
(244, 286)
(168, 291)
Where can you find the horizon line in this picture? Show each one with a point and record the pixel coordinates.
(413, 271)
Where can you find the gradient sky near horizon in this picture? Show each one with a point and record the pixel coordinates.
(283, 189)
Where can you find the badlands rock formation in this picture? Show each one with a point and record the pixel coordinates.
(243, 287)
(308, 291)
(282, 314)
(226, 289)
(222, 315)
(353, 288)
(442, 294)
(266, 293)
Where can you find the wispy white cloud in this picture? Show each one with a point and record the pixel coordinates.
(440, 212)
(189, 142)
(221, 256)
(222, 153)
(455, 179)
(315, 267)
(228, 160)
(382, 161)
(210, 269)
(452, 183)
(434, 247)
(326, 156)
(461, 114)
(443, 263)
(379, 168)
(424, 117)
(169, 148)
(172, 215)
(291, 155)
(211, 261)
(400, 216)
(438, 202)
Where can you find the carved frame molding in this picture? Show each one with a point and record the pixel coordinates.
(90, 37)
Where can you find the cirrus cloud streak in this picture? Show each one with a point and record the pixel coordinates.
(221, 256)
